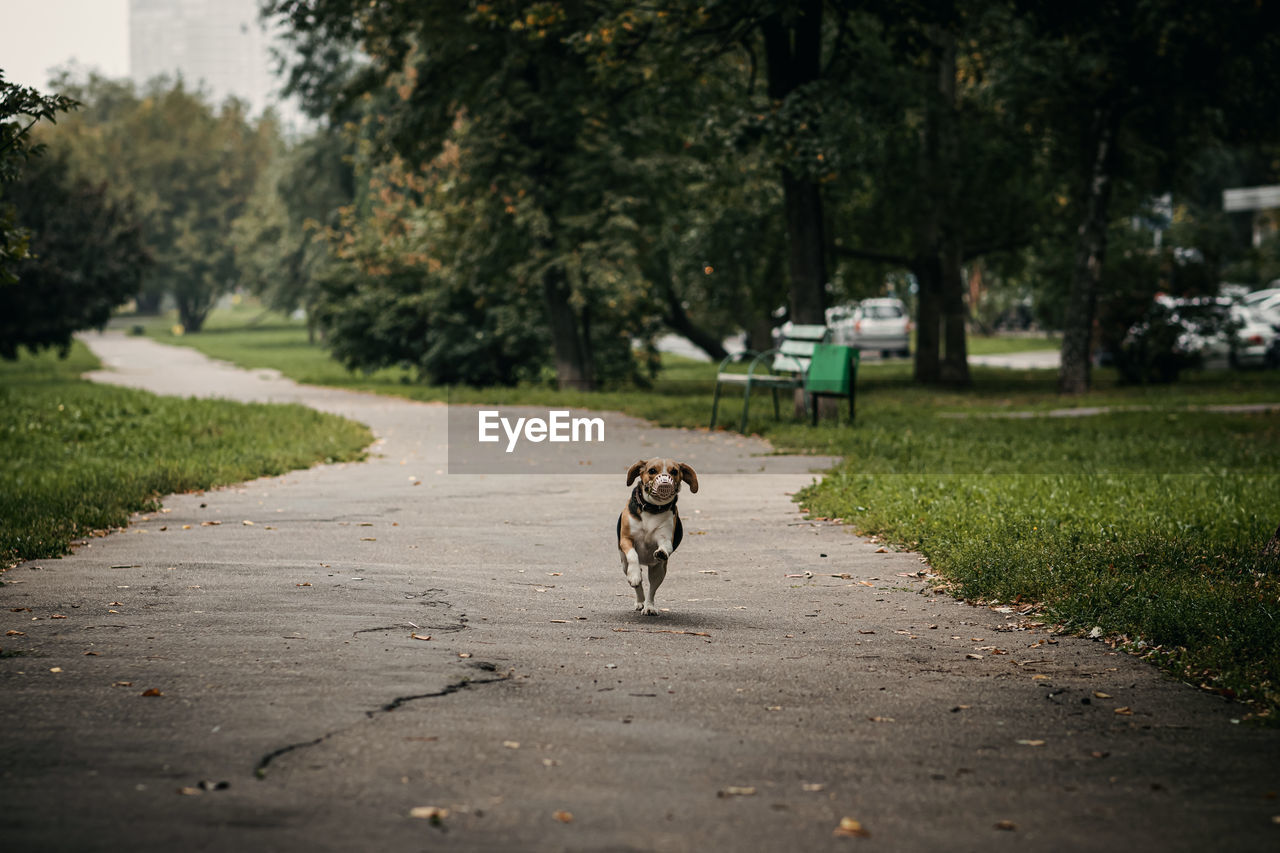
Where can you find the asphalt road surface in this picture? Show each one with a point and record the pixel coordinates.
(340, 651)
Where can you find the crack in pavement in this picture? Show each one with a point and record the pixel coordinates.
(260, 769)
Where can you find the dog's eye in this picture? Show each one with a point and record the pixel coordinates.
(653, 471)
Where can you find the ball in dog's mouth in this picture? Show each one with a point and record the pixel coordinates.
(663, 488)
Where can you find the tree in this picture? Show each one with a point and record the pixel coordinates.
(191, 169)
(21, 109)
(1123, 89)
(279, 239)
(86, 257)
(513, 89)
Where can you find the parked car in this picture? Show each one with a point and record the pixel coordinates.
(1246, 342)
(873, 324)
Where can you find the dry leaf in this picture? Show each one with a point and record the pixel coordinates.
(416, 636)
(1125, 711)
(57, 616)
(882, 550)
(850, 828)
(973, 657)
(735, 791)
(368, 539)
(812, 787)
(95, 654)
(247, 523)
(1039, 677)
(431, 813)
(1098, 694)
(563, 816)
(511, 744)
(190, 792)
(15, 633)
(1006, 824)
(55, 669)
(1031, 742)
(210, 523)
(154, 691)
(305, 583)
(880, 719)
(122, 684)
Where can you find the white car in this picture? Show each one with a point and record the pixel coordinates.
(1245, 344)
(873, 324)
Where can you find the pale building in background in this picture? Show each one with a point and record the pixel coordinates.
(218, 44)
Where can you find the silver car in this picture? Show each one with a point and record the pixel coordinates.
(873, 324)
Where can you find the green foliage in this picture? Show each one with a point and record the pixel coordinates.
(191, 169)
(81, 457)
(21, 108)
(86, 258)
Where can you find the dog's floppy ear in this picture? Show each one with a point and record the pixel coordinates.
(634, 471)
(689, 476)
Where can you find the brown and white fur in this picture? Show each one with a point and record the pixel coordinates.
(649, 529)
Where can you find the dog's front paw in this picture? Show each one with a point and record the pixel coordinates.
(640, 605)
(660, 554)
(647, 609)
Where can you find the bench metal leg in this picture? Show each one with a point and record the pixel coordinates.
(715, 406)
(746, 404)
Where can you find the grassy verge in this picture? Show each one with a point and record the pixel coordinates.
(80, 457)
(1146, 524)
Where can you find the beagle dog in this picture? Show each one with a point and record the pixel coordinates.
(649, 529)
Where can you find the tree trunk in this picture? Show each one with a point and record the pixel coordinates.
(928, 318)
(677, 319)
(1091, 248)
(793, 51)
(572, 357)
(955, 365)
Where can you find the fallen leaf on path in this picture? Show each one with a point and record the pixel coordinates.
(368, 539)
(122, 684)
(844, 576)
(94, 654)
(860, 631)
(415, 636)
(306, 583)
(1098, 694)
(15, 633)
(1097, 754)
(435, 814)
(563, 816)
(1125, 711)
(247, 523)
(559, 621)
(735, 791)
(707, 572)
(511, 744)
(1031, 742)
(190, 791)
(154, 691)
(866, 583)
(1006, 824)
(57, 616)
(207, 524)
(850, 828)
(812, 787)
(880, 719)
(973, 657)
(186, 527)
(1039, 677)
(55, 669)
(882, 550)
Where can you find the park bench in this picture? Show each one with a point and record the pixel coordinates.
(789, 366)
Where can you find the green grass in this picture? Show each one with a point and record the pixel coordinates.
(79, 457)
(1144, 523)
(981, 345)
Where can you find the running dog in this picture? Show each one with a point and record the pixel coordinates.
(649, 529)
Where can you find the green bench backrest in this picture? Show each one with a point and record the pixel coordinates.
(832, 369)
(797, 348)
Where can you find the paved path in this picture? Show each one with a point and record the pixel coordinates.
(755, 714)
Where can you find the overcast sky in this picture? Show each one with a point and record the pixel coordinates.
(38, 35)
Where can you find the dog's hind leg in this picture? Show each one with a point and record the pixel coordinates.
(657, 572)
